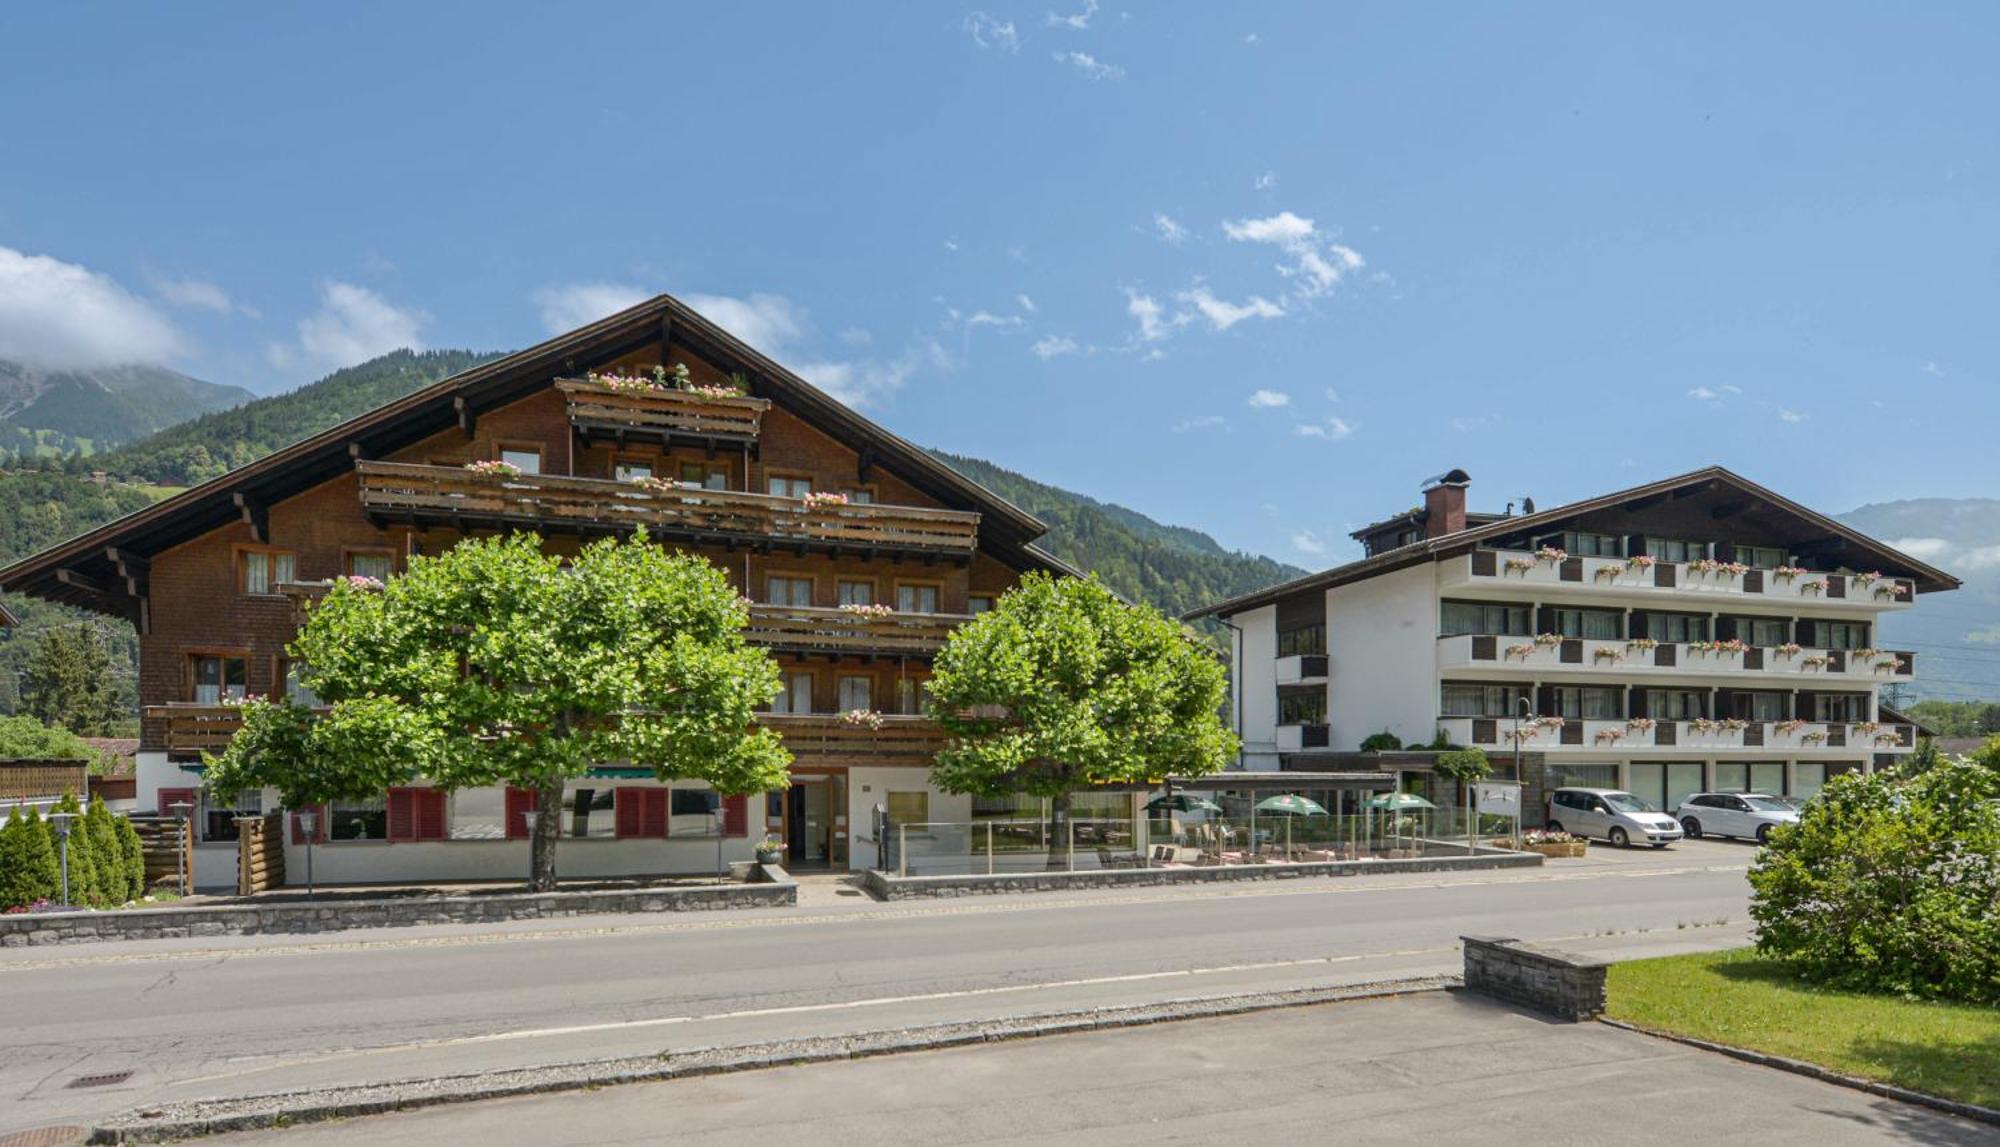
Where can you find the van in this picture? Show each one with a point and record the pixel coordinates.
(1613, 815)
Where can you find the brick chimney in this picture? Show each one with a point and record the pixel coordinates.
(1444, 503)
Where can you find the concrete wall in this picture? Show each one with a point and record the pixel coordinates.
(1381, 657)
(1258, 693)
(868, 787)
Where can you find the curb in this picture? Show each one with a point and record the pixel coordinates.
(1824, 1075)
(216, 1116)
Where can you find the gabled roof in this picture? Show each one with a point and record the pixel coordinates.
(1928, 578)
(79, 570)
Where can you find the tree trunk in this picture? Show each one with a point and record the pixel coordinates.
(1059, 830)
(548, 829)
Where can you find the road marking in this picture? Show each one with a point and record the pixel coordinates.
(859, 915)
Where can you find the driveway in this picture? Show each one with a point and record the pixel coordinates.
(1436, 1068)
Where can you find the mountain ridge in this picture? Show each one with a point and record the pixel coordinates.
(57, 411)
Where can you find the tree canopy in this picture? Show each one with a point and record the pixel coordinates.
(495, 663)
(1062, 686)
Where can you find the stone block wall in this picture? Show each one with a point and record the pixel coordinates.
(1554, 983)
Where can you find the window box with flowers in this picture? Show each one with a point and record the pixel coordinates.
(1791, 727)
(1813, 588)
(1640, 562)
(1609, 653)
(1788, 649)
(493, 468)
(1522, 651)
(1641, 724)
(1891, 664)
(1641, 645)
(1788, 573)
(1552, 843)
(1816, 661)
(1609, 736)
(1551, 556)
(1816, 737)
(1548, 640)
(1890, 590)
(1518, 565)
(1731, 647)
(1866, 728)
(868, 611)
(817, 499)
(862, 719)
(1714, 568)
(1608, 572)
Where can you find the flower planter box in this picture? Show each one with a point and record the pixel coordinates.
(1554, 851)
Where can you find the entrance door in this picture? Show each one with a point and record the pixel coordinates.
(808, 821)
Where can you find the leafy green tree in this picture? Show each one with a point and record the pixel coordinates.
(114, 881)
(1466, 766)
(84, 884)
(1890, 886)
(495, 663)
(134, 852)
(27, 864)
(26, 739)
(67, 682)
(1061, 686)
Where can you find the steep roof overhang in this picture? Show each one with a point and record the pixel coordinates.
(1929, 579)
(102, 569)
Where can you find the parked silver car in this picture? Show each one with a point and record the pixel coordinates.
(1612, 815)
(1749, 816)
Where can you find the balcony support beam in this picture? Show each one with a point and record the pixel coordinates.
(257, 516)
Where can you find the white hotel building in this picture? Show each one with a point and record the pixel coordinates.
(1699, 633)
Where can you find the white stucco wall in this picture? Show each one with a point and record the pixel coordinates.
(381, 862)
(1381, 637)
(1256, 689)
(867, 788)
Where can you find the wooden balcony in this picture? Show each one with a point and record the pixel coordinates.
(463, 499)
(817, 739)
(665, 416)
(192, 729)
(807, 629)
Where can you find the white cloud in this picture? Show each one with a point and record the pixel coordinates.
(567, 306)
(989, 319)
(990, 32)
(196, 295)
(1283, 229)
(1053, 346)
(1321, 262)
(1790, 415)
(1027, 304)
(1269, 179)
(1223, 314)
(1078, 22)
(1703, 394)
(57, 314)
(769, 323)
(1978, 558)
(1148, 311)
(1207, 422)
(856, 336)
(1090, 65)
(353, 324)
(862, 384)
(1931, 368)
(1923, 549)
(1466, 424)
(1332, 395)
(1307, 542)
(1333, 429)
(1269, 399)
(1250, 38)
(1169, 228)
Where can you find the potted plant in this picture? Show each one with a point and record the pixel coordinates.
(1551, 843)
(770, 850)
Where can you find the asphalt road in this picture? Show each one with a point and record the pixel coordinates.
(247, 1015)
(1423, 1069)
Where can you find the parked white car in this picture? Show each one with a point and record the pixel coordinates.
(1613, 815)
(1747, 816)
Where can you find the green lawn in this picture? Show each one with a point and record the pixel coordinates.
(1741, 999)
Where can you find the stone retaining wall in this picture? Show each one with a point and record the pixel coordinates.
(1554, 983)
(888, 886)
(774, 889)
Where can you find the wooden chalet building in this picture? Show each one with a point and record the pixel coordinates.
(807, 505)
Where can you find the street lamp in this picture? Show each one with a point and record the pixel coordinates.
(61, 822)
(181, 811)
(528, 818)
(308, 821)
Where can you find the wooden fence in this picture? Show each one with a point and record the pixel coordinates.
(29, 779)
(260, 853)
(168, 843)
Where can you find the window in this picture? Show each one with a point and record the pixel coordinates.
(365, 819)
(1668, 550)
(1666, 786)
(917, 598)
(856, 693)
(788, 590)
(1676, 627)
(1836, 707)
(1761, 557)
(526, 459)
(376, 565)
(1807, 780)
(909, 808)
(705, 476)
(1676, 704)
(218, 815)
(1840, 634)
(641, 812)
(1596, 703)
(1762, 706)
(1764, 630)
(1598, 624)
(219, 679)
(629, 471)
(1593, 545)
(787, 487)
(1306, 639)
(589, 811)
(1564, 775)
(857, 593)
(265, 570)
(796, 696)
(1463, 700)
(481, 814)
(293, 689)
(978, 603)
(858, 496)
(1738, 777)
(1302, 707)
(1478, 617)
(694, 812)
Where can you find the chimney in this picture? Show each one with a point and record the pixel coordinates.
(1444, 503)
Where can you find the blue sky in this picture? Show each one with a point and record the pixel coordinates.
(1255, 269)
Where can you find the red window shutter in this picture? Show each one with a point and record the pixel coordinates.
(628, 811)
(402, 814)
(319, 826)
(654, 823)
(519, 803)
(171, 797)
(736, 816)
(431, 814)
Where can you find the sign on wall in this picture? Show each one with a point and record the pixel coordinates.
(1497, 798)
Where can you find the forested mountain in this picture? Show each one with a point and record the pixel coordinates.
(200, 449)
(1956, 636)
(45, 412)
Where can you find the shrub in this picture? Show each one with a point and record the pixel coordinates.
(1889, 886)
(114, 886)
(27, 866)
(135, 859)
(1464, 765)
(1382, 742)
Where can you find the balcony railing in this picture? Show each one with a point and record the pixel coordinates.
(1573, 736)
(1300, 667)
(1618, 658)
(1293, 738)
(601, 411)
(1633, 578)
(809, 629)
(460, 498)
(189, 729)
(830, 739)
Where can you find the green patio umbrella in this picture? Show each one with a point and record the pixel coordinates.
(1291, 804)
(1182, 802)
(1398, 802)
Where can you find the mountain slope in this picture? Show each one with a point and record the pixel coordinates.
(56, 411)
(1956, 636)
(200, 449)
